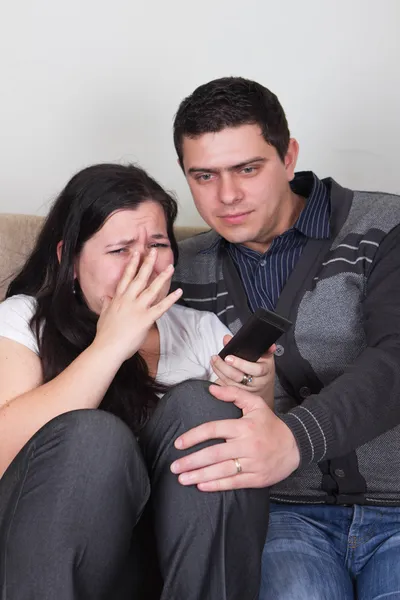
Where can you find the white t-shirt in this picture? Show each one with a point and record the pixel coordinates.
(188, 338)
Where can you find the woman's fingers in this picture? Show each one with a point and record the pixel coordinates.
(129, 273)
(161, 307)
(141, 280)
(105, 303)
(149, 294)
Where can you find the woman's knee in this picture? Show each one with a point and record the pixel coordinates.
(77, 489)
(91, 448)
(192, 403)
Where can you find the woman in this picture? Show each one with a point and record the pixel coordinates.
(87, 324)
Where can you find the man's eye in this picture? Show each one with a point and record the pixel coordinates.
(248, 170)
(204, 177)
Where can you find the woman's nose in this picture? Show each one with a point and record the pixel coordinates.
(143, 252)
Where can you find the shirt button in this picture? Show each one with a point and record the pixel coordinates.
(304, 392)
(262, 263)
(279, 350)
(339, 473)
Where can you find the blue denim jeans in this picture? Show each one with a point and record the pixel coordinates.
(320, 552)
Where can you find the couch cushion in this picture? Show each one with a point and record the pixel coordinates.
(17, 236)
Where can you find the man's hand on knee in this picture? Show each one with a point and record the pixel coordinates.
(259, 448)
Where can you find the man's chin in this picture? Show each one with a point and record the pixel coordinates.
(235, 235)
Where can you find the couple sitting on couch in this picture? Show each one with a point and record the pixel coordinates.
(91, 321)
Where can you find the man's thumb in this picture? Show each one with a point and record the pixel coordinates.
(243, 399)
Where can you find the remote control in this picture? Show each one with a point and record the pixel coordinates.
(257, 334)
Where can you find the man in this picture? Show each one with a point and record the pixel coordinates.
(328, 259)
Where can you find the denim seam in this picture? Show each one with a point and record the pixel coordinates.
(12, 518)
(384, 502)
(284, 501)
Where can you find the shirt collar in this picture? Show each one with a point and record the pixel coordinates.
(313, 220)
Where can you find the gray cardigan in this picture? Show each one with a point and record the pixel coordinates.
(338, 368)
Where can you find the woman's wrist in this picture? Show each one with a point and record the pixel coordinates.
(107, 355)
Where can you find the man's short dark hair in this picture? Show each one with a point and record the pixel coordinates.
(231, 102)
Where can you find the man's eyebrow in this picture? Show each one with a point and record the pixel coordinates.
(203, 170)
(255, 159)
(124, 242)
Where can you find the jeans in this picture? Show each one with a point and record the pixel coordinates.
(77, 501)
(320, 552)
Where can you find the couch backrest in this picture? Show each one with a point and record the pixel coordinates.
(18, 234)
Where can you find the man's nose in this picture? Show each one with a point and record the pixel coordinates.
(229, 190)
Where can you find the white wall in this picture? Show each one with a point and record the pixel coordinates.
(83, 81)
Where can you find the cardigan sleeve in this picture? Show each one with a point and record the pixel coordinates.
(363, 402)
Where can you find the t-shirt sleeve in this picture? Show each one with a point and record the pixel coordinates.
(15, 315)
(211, 331)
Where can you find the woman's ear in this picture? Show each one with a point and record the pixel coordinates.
(59, 254)
(59, 250)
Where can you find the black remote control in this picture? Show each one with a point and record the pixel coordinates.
(258, 334)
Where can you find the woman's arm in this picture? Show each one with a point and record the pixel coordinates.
(26, 404)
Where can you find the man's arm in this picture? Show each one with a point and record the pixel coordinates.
(364, 401)
(358, 406)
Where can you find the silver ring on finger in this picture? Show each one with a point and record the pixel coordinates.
(238, 465)
(246, 379)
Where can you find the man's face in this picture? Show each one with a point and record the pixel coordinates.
(240, 185)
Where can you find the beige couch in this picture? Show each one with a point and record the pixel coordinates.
(17, 235)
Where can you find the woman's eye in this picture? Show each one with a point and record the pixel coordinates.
(159, 245)
(118, 251)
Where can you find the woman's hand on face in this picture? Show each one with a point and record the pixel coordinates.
(126, 319)
(232, 369)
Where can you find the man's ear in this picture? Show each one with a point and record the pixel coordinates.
(291, 158)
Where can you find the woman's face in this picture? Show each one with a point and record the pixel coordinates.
(104, 256)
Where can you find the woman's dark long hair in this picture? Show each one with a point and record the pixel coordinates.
(63, 323)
